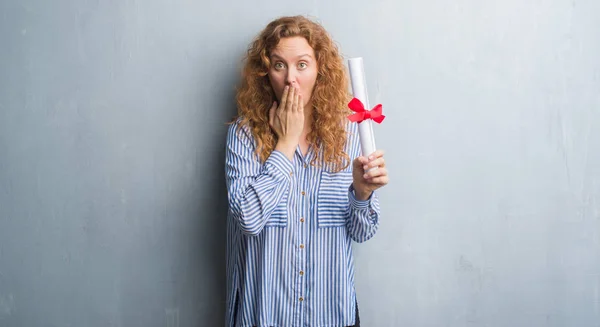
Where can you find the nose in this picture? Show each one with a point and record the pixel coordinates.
(290, 79)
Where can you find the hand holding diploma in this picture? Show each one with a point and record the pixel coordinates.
(368, 171)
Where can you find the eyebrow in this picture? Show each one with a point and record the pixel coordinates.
(300, 56)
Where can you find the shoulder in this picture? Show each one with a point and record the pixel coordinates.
(238, 131)
(351, 128)
(352, 140)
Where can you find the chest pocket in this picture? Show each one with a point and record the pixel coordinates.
(332, 200)
(279, 217)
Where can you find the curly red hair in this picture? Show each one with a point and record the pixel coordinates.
(330, 95)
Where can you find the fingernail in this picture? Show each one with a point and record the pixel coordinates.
(365, 167)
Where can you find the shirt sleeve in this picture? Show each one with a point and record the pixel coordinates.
(364, 216)
(254, 189)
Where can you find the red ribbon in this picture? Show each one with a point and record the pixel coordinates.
(362, 114)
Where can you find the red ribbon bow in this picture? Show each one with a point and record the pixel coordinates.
(362, 114)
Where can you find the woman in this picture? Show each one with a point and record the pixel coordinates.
(297, 188)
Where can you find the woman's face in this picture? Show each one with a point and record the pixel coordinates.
(293, 63)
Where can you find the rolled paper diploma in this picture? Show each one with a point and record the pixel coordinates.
(359, 91)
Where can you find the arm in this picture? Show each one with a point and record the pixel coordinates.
(254, 189)
(363, 220)
(363, 199)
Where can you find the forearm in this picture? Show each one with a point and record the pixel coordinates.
(253, 198)
(363, 215)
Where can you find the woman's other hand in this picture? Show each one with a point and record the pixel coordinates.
(367, 180)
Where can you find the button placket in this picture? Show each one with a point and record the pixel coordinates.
(302, 234)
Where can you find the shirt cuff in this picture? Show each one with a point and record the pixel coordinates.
(356, 203)
(281, 162)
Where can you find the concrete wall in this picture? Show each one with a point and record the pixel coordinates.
(112, 197)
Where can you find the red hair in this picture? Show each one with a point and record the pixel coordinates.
(329, 99)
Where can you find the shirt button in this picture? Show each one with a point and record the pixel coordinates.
(301, 273)
(301, 220)
(291, 173)
(302, 193)
(302, 246)
(305, 166)
(301, 299)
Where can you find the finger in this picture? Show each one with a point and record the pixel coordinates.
(294, 100)
(298, 97)
(290, 99)
(284, 97)
(375, 173)
(381, 181)
(377, 162)
(360, 161)
(364, 160)
(376, 154)
(300, 103)
(295, 104)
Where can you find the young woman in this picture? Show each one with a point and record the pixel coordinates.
(298, 189)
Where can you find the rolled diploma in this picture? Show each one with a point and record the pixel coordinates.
(359, 91)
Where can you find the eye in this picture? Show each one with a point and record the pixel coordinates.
(278, 65)
(303, 65)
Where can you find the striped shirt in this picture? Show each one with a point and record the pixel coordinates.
(290, 228)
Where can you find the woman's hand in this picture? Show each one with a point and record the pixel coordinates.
(287, 120)
(366, 182)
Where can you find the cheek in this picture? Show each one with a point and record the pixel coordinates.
(308, 82)
(277, 84)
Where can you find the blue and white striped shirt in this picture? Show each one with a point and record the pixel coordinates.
(290, 228)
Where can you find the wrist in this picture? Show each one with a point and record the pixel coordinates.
(287, 148)
(362, 195)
